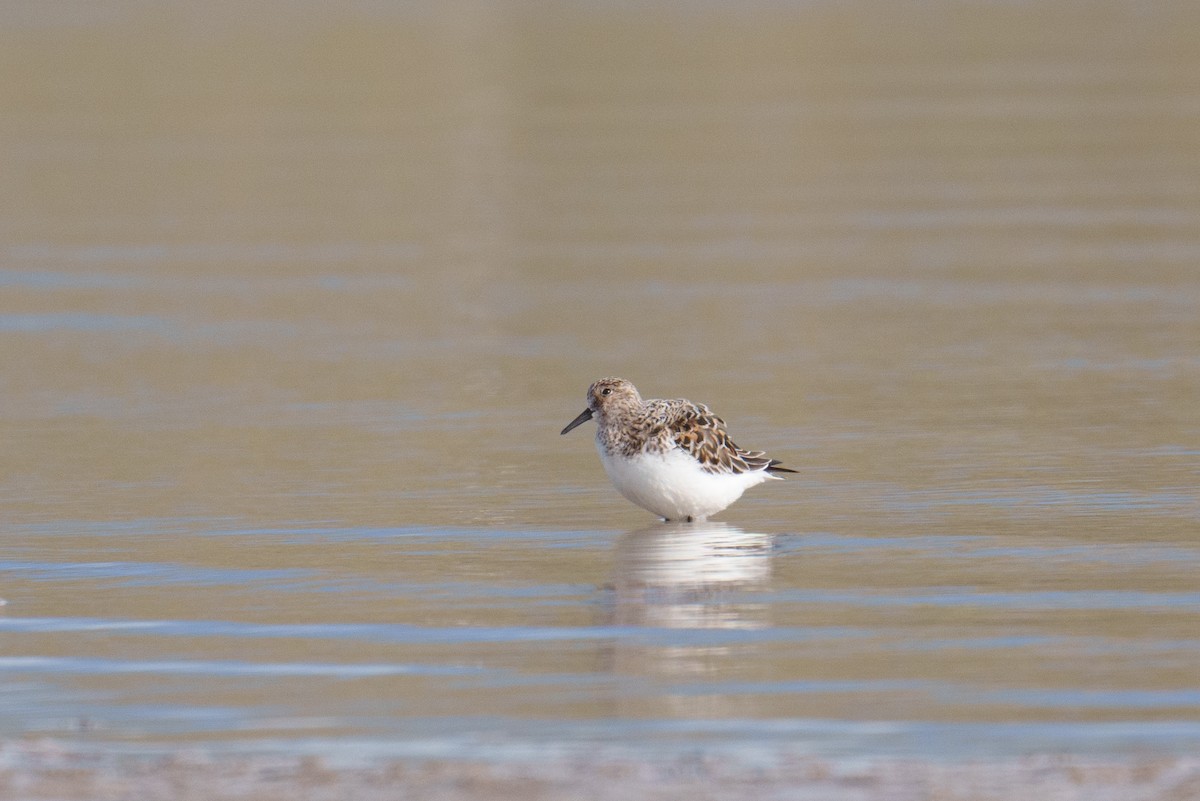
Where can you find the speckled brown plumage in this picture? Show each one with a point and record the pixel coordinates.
(629, 425)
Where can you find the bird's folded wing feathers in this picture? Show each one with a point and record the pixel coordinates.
(700, 433)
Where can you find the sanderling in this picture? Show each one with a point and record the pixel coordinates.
(670, 457)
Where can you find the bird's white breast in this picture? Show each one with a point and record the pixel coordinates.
(673, 484)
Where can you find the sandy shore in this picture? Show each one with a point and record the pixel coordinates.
(45, 769)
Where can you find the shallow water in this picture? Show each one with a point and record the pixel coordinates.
(293, 306)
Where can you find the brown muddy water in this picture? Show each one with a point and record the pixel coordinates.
(294, 300)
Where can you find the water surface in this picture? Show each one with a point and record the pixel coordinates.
(293, 305)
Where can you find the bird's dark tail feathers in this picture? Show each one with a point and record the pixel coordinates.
(771, 467)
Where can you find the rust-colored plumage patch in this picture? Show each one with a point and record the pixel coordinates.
(630, 425)
(693, 428)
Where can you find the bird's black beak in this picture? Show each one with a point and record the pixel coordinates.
(580, 420)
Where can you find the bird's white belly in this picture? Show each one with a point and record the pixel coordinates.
(673, 485)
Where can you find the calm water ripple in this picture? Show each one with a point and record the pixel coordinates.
(283, 362)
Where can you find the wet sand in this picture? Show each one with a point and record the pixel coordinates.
(44, 769)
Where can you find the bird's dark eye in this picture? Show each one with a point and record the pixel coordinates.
(606, 391)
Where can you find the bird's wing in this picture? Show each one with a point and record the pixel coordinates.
(694, 429)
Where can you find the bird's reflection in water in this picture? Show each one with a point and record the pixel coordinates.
(690, 575)
(697, 576)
